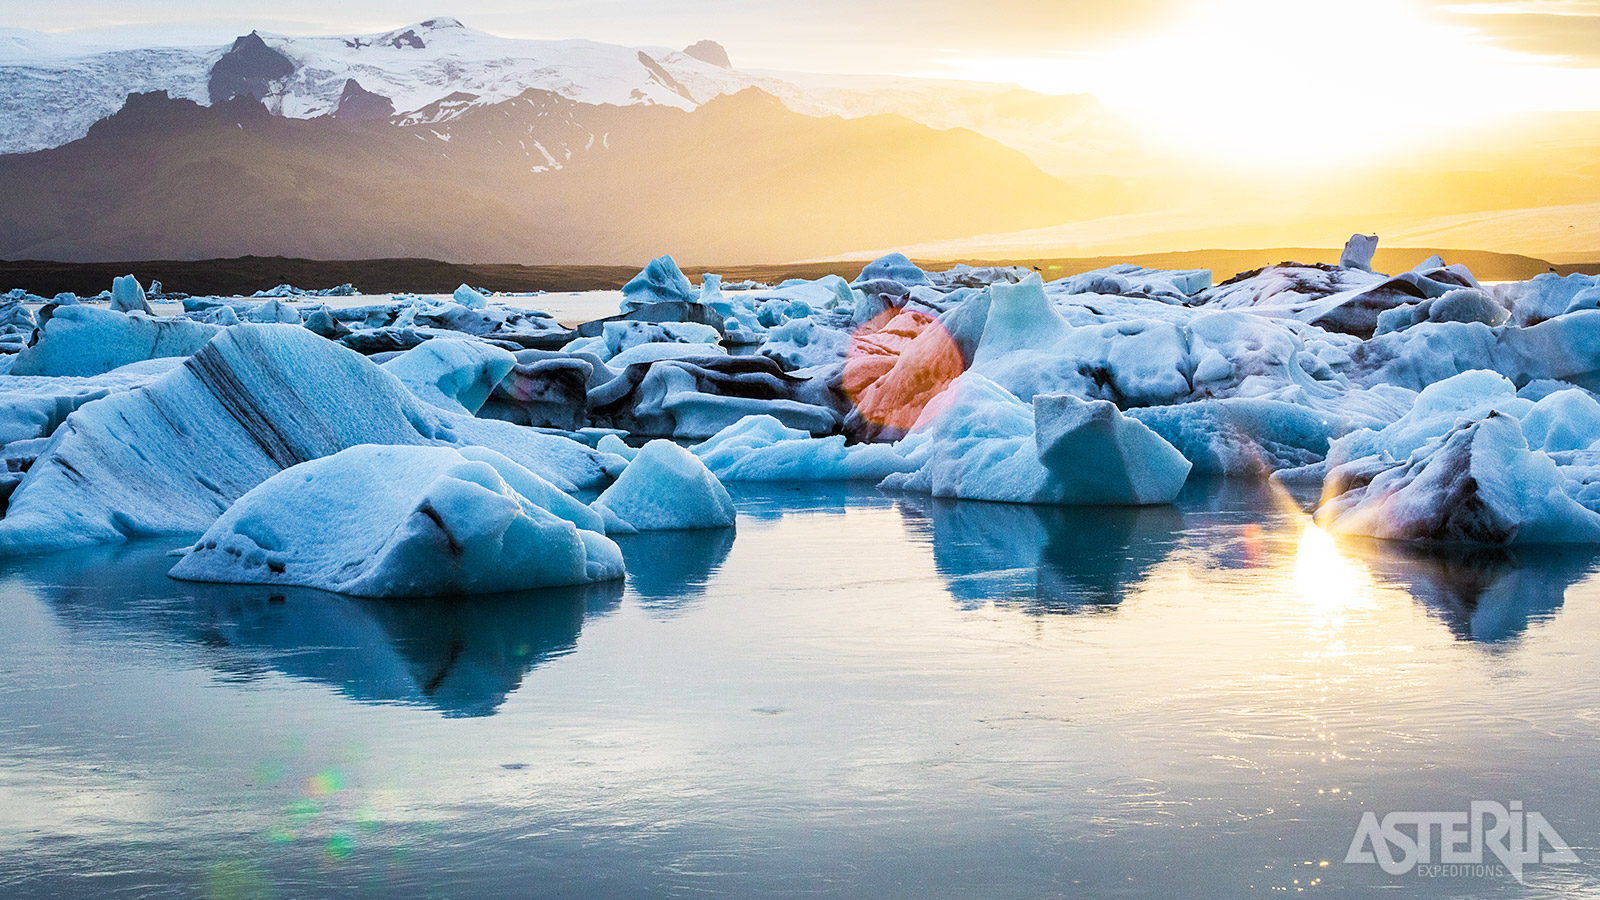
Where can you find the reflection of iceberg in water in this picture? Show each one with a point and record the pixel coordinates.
(772, 501)
(1046, 559)
(462, 656)
(668, 570)
(1481, 594)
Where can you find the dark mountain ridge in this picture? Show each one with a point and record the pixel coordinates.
(538, 178)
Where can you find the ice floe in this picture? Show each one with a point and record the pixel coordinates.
(665, 488)
(404, 521)
(1431, 406)
(172, 455)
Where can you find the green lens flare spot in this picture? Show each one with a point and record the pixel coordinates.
(328, 781)
(339, 847)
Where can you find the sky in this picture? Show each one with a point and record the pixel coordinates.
(1194, 69)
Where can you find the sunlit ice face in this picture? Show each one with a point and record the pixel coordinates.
(1301, 84)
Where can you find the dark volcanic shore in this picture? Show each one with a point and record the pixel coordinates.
(245, 275)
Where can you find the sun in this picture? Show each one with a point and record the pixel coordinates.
(1296, 84)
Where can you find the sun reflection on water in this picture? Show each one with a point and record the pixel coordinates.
(1334, 585)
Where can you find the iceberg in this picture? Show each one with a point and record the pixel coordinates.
(1479, 484)
(453, 374)
(470, 297)
(84, 340)
(978, 441)
(665, 488)
(173, 455)
(127, 296)
(1098, 456)
(1358, 252)
(696, 398)
(660, 282)
(762, 448)
(404, 521)
(273, 311)
(892, 267)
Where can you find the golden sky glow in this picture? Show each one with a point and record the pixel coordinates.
(1261, 81)
(1277, 83)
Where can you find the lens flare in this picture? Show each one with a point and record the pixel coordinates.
(899, 361)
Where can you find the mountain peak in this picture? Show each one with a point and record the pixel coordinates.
(416, 37)
(248, 68)
(710, 52)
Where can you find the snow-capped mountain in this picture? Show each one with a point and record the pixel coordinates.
(52, 87)
(535, 178)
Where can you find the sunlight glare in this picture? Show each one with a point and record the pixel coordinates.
(1295, 85)
(1332, 583)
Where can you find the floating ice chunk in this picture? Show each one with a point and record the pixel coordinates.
(977, 441)
(1347, 300)
(1168, 285)
(697, 415)
(1020, 317)
(537, 490)
(127, 296)
(1561, 349)
(34, 407)
(761, 448)
(974, 441)
(470, 297)
(711, 291)
(625, 335)
(453, 374)
(216, 315)
(611, 443)
(84, 340)
(1471, 395)
(1098, 456)
(802, 343)
(1588, 298)
(1459, 305)
(1563, 420)
(660, 282)
(1358, 252)
(665, 488)
(1545, 296)
(699, 397)
(893, 267)
(1465, 305)
(274, 311)
(322, 321)
(1241, 435)
(1480, 484)
(658, 350)
(544, 390)
(384, 521)
(894, 371)
(15, 318)
(1134, 362)
(172, 455)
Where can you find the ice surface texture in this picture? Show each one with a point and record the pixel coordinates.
(665, 488)
(172, 455)
(400, 521)
(1107, 387)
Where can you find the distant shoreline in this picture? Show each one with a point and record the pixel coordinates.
(246, 275)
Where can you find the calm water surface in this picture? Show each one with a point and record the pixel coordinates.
(859, 695)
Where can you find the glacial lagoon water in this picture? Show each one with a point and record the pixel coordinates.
(859, 694)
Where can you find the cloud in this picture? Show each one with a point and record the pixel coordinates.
(1566, 30)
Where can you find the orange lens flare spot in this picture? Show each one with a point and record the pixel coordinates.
(898, 362)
